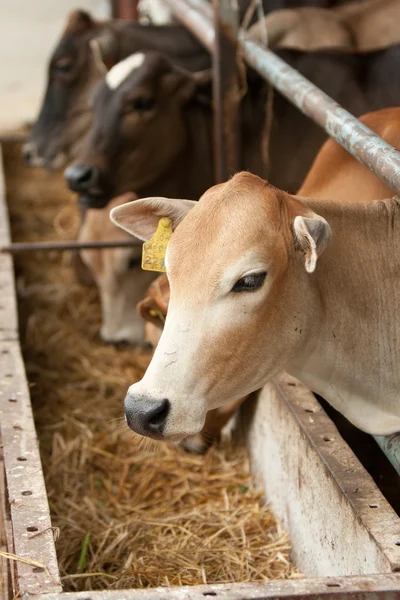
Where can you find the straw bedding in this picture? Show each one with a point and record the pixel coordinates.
(129, 514)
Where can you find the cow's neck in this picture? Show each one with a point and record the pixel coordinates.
(192, 172)
(354, 324)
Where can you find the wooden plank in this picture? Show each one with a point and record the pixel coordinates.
(27, 499)
(8, 303)
(6, 541)
(375, 587)
(339, 522)
(8, 306)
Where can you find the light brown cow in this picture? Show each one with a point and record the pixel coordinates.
(336, 174)
(364, 25)
(153, 309)
(118, 275)
(253, 293)
(305, 28)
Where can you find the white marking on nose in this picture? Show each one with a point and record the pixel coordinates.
(121, 70)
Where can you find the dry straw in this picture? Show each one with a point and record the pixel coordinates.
(129, 515)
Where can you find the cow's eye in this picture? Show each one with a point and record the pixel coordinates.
(250, 282)
(63, 66)
(143, 104)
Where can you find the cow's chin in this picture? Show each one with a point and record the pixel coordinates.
(178, 429)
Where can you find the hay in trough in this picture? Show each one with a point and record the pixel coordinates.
(129, 514)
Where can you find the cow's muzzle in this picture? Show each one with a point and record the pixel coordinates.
(98, 202)
(83, 178)
(147, 416)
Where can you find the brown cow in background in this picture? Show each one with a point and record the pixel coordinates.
(86, 50)
(152, 132)
(358, 26)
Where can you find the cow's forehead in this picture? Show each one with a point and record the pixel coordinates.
(230, 219)
(137, 69)
(121, 71)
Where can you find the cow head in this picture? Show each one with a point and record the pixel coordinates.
(76, 66)
(138, 126)
(240, 265)
(117, 274)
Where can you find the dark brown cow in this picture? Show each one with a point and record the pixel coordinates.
(117, 162)
(152, 132)
(86, 49)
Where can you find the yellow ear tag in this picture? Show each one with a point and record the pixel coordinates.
(153, 253)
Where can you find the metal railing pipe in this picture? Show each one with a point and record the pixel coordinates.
(20, 247)
(365, 145)
(193, 16)
(358, 139)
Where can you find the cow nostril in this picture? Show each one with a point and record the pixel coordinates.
(80, 178)
(147, 416)
(159, 415)
(28, 153)
(85, 175)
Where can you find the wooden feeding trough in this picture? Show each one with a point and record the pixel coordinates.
(345, 536)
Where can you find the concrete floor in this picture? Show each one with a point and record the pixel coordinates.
(28, 32)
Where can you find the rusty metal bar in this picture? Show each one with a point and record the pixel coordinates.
(127, 9)
(195, 20)
(18, 248)
(367, 147)
(226, 89)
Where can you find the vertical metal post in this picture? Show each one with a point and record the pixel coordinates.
(127, 9)
(226, 89)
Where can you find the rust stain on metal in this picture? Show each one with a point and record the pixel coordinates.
(226, 89)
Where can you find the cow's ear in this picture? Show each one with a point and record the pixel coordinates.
(140, 218)
(107, 44)
(185, 86)
(203, 81)
(312, 234)
(203, 78)
(79, 21)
